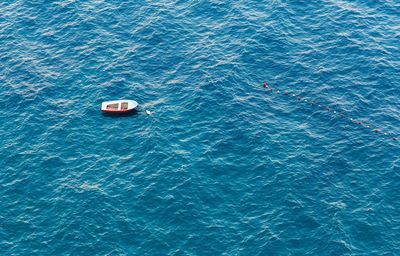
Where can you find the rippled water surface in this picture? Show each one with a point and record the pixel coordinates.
(221, 167)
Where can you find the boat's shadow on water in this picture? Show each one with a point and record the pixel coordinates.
(119, 115)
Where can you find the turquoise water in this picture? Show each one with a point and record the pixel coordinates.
(222, 166)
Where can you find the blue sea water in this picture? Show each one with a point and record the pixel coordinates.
(221, 167)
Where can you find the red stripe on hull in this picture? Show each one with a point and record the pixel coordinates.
(116, 111)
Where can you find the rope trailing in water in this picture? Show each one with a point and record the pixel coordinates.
(331, 111)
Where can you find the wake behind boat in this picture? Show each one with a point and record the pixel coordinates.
(118, 106)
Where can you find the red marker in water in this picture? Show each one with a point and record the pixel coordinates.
(376, 130)
(286, 93)
(265, 85)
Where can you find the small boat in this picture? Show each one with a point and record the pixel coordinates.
(118, 106)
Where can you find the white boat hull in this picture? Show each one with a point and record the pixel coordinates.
(118, 106)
